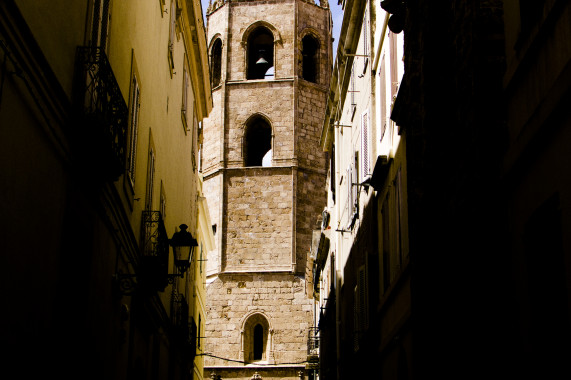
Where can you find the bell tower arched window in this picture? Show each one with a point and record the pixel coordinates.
(260, 54)
(257, 142)
(216, 62)
(310, 48)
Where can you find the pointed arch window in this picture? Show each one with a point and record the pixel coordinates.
(216, 62)
(256, 338)
(260, 55)
(257, 142)
(310, 48)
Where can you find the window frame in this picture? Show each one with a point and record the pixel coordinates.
(134, 114)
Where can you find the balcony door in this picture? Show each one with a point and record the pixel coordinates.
(100, 24)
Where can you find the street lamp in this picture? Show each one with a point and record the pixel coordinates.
(183, 246)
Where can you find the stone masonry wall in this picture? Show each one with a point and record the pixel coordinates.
(311, 195)
(211, 188)
(311, 17)
(265, 216)
(211, 156)
(274, 12)
(272, 100)
(280, 297)
(258, 220)
(310, 111)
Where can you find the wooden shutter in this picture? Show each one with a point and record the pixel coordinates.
(365, 144)
(354, 187)
(100, 23)
(349, 178)
(135, 103)
(150, 180)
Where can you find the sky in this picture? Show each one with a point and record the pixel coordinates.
(336, 12)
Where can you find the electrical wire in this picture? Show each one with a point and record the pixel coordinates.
(243, 362)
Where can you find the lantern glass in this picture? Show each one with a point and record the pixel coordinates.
(183, 246)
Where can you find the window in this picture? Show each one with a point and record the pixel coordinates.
(163, 202)
(332, 173)
(256, 338)
(365, 151)
(260, 54)
(216, 62)
(150, 180)
(187, 109)
(201, 258)
(101, 20)
(352, 210)
(394, 235)
(200, 146)
(257, 142)
(365, 31)
(133, 128)
(383, 97)
(199, 329)
(393, 53)
(172, 27)
(310, 48)
(353, 106)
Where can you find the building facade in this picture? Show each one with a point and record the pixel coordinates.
(467, 275)
(535, 173)
(362, 259)
(264, 180)
(100, 109)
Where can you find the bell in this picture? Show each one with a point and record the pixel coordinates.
(261, 60)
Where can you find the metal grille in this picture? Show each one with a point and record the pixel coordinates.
(103, 109)
(312, 341)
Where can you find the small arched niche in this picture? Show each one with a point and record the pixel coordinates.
(309, 52)
(257, 142)
(260, 55)
(216, 62)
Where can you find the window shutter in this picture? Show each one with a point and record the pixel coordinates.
(172, 23)
(134, 128)
(150, 180)
(365, 39)
(349, 178)
(365, 154)
(354, 187)
(185, 94)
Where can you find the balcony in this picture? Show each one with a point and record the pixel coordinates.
(155, 251)
(312, 348)
(102, 114)
(183, 327)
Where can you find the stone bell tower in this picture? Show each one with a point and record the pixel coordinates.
(264, 177)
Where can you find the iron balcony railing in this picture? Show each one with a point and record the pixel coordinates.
(179, 316)
(183, 326)
(312, 342)
(103, 112)
(154, 250)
